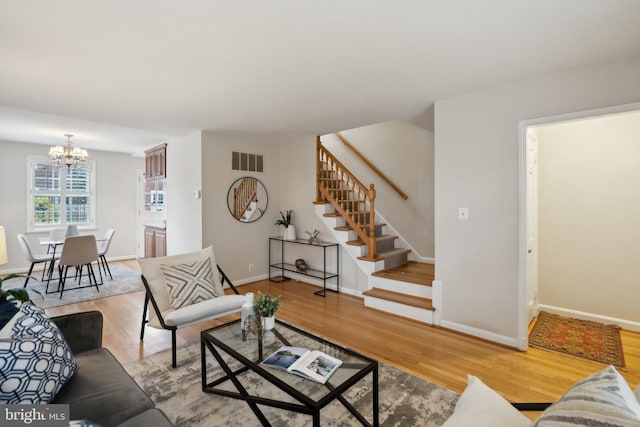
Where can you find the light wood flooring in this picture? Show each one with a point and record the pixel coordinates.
(436, 354)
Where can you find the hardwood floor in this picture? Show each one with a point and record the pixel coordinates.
(438, 355)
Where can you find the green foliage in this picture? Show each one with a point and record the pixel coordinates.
(266, 305)
(19, 294)
(285, 218)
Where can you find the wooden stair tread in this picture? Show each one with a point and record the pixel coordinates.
(420, 273)
(397, 297)
(359, 242)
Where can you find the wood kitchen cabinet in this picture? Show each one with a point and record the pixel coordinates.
(156, 162)
(155, 242)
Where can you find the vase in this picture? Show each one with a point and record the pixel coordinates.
(290, 232)
(268, 323)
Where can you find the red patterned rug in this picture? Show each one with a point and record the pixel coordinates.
(580, 338)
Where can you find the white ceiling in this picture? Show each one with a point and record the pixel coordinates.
(125, 75)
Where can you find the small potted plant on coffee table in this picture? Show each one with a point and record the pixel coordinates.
(266, 306)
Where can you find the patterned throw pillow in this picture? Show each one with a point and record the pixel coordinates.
(603, 399)
(36, 361)
(189, 283)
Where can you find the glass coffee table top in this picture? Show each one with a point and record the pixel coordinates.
(229, 338)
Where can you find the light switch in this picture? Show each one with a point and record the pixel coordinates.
(463, 214)
(196, 194)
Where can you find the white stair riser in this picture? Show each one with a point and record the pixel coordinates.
(401, 287)
(410, 312)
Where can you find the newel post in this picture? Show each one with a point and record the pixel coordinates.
(318, 169)
(372, 226)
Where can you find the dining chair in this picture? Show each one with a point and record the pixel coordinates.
(102, 251)
(71, 230)
(33, 258)
(79, 251)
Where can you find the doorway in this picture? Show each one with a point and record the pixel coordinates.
(578, 217)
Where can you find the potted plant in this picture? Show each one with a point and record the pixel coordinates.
(289, 232)
(19, 294)
(266, 306)
(12, 296)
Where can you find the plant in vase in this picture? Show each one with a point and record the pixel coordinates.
(289, 229)
(266, 306)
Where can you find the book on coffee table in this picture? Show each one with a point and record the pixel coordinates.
(314, 365)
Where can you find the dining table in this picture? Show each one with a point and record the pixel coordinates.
(53, 246)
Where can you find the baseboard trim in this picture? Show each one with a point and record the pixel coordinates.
(628, 325)
(481, 333)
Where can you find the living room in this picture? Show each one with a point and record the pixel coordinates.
(475, 125)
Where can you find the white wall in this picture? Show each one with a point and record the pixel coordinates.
(589, 205)
(184, 177)
(404, 153)
(238, 244)
(477, 166)
(116, 204)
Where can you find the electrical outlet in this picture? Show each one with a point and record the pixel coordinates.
(251, 267)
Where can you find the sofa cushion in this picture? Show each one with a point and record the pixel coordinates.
(602, 399)
(480, 406)
(102, 391)
(189, 283)
(36, 361)
(152, 417)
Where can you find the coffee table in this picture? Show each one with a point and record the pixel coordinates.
(240, 358)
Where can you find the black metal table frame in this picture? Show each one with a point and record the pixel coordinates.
(306, 406)
(325, 276)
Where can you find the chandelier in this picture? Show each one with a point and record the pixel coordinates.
(68, 155)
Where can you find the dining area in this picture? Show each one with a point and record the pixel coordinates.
(69, 260)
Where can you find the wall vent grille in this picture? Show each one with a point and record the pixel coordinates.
(247, 162)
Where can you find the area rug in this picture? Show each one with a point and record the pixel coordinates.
(124, 281)
(579, 338)
(405, 400)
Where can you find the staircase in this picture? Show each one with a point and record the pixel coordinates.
(397, 283)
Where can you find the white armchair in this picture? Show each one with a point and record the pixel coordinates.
(183, 292)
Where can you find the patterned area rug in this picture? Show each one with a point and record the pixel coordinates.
(405, 400)
(580, 338)
(124, 281)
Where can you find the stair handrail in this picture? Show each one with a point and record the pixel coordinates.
(361, 194)
(243, 195)
(372, 166)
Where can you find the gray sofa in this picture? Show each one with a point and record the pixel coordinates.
(101, 391)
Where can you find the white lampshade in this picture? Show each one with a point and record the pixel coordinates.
(3, 246)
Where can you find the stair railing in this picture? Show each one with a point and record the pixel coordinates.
(350, 198)
(372, 166)
(245, 193)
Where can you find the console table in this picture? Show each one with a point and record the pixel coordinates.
(323, 274)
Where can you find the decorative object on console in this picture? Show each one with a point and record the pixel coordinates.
(289, 232)
(68, 155)
(301, 265)
(266, 306)
(313, 237)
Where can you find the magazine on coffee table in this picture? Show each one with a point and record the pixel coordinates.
(313, 365)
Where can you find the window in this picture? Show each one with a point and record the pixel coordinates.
(59, 196)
